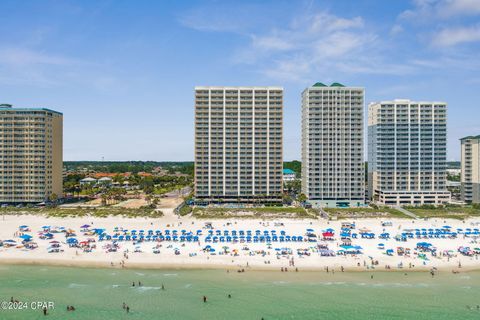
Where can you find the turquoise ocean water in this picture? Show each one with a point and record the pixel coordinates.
(99, 294)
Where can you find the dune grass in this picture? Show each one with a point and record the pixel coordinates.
(262, 212)
(102, 212)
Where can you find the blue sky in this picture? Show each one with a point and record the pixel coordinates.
(123, 72)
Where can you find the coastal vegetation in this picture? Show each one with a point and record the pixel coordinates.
(448, 211)
(262, 212)
(101, 212)
(373, 212)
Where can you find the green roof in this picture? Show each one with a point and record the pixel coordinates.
(319, 84)
(336, 84)
(5, 108)
(470, 137)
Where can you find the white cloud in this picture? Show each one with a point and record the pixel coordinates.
(396, 29)
(427, 9)
(19, 56)
(309, 45)
(324, 22)
(452, 36)
(448, 8)
(271, 43)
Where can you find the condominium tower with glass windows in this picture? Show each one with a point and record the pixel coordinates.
(238, 144)
(470, 173)
(30, 154)
(333, 172)
(407, 150)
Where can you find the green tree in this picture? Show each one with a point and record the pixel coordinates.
(302, 197)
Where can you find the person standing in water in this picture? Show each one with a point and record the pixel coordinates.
(204, 299)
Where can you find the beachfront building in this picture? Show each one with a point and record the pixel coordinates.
(470, 176)
(407, 150)
(238, 144)
(333, 173)
(30, 154)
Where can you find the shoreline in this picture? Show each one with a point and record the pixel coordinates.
(95, 264)
(185, 267)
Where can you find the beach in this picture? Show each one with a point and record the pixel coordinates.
(238, 255)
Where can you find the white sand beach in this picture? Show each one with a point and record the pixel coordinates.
(239, 255)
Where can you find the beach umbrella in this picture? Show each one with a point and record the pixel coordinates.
(10, 241)
(310, 230)
(22, 227)
(26, 237)
(54, 241)
(85, 226)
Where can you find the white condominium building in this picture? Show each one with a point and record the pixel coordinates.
(407, 150)
(333, 172)
(30, 154)
(470, 174)
(238, 144)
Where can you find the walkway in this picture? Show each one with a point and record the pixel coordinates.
(406, 212)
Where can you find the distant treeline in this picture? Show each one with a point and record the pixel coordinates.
(186, 167)
(453, 164)
(130, 166)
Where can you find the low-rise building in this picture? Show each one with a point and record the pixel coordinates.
(289, 175)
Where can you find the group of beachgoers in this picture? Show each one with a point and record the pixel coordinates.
(269, 240)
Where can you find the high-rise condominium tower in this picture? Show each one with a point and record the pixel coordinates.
(333, 171)
(30, 154)
(238, 144)
(407, 151)
(471, 169)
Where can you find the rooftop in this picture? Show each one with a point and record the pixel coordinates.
(8, 107)
(470, 137)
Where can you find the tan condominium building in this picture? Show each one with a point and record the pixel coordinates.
(407, 152)
(30, 154)
(333, 170)
(470, 174)
(238, 144)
